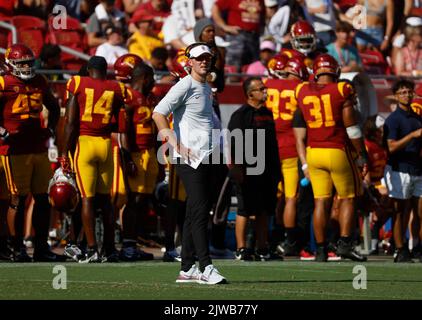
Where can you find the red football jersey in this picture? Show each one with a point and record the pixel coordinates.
(417, 105)
(377, 160)
(144, 136)
(21, 105)
(322, 109)
(282, 102)
(99, 101)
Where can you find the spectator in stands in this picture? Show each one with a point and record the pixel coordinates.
(346, 54)
(142, 42)
(178, 27)
(160, 10)
(204, 31)
(399, 39)
(79, 9)
(113, 47)
(408, 59)
(243, 26)
(378, 14)
(277, 25)
(36, 8)
(266, 52)
(320, 13)
(104, 15)
(6, 9)
(130, 6)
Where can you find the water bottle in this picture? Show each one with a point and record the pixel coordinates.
(304, 182)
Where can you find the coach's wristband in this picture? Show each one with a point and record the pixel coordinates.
(304, 166)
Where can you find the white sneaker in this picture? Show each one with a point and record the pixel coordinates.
(192, 275)
(211, 276)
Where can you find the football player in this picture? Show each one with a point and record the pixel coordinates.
(304, 40)
(282, 102)
(139, 158)
(326, 106)
(93, 102)
(24, 148)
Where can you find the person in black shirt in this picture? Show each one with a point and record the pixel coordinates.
(256, 193)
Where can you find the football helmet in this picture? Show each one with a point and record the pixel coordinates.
(276, 66)
(180, 64)
(63, 192)
(303, 37)
(124, 66)
(325, 64)
(297, 67)
(20, 60)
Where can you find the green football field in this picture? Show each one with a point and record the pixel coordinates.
(277, 280)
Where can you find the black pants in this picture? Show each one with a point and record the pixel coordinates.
(197, 183)
(305, 209)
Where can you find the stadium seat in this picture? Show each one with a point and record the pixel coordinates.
(374, 62)
(73, 36)
(31, 31)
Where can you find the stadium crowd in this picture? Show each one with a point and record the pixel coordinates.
(325, 172)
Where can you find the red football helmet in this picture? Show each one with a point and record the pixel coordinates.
(124, 66)
(325, 64)
(303, 37)
(62, 192)
(276, 66)
(20, 60)
(180, 64)
(297, 67)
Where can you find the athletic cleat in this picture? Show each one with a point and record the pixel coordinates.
(262, 255)
(306, 255)
(112, 257)
(211, 276)
(243, 254)
(321, 254)
(347, 251)
(291, 249)
(21, 256)
(332, 255)
(73, 252)
(172, 256)
(6, 254)
(91, 256)
(190, 276)
(402, 255)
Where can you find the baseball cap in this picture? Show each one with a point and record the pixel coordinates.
(267, 45)
(197, 51)
(141, 15)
